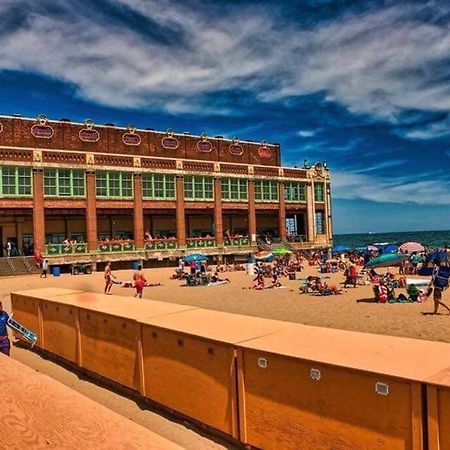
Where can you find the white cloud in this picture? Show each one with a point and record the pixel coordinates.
(375, 62)
(431, 131)
(306, 133)
(390, 189)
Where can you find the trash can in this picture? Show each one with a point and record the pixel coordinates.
(56, 271)
(135, 265)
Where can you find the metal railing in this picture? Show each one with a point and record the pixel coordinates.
(237, 242)
(161, 244)
(116, 246)
(65, 249)
(11, 264)
(297, 238)
(25, 261)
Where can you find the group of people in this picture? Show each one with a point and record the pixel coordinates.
(139, 280)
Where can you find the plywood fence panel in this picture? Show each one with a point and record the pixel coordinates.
(109, 347)
(293, 404)
(192, 376)
(60, 330)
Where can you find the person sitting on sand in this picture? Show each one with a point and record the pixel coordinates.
(351, 276)
(215, 278)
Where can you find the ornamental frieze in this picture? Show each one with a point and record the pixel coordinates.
(236, 148)
(169, 141)
(41, 129)
(130, 137)
(88, 134)
(204, 145)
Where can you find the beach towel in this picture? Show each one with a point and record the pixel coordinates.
(217, 283)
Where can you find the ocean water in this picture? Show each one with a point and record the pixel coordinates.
(433, 239)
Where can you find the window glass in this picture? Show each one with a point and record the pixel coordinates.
(198, 187)
(266, 190)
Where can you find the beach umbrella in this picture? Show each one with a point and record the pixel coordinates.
(386, 260)
(439, 255)
(340, 248)
(281, 251)
(410, 247)
(195, 257)
(263, 255)
(390, 248)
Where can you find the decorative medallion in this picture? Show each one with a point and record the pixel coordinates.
(41, 129)
(88, 134)
(1, 127)
(236, 148)
(169, 141)
(264, 151)
(130, 137)
(204, 145)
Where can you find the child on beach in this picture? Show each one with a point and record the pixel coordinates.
(139, 281)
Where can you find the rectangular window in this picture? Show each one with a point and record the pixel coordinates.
(234, 189)
(266, 191)
(114, 184)
(320, 218)
(295, 191)
(318, 192)
(64, 183)
(15, 181)
(198, 187)
(158, 186)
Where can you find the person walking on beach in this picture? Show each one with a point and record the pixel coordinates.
(139, 281)
(5, 344)
(439, 282)
(108, 277)
(44, 268)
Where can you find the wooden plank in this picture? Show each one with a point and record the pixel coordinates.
(433, 418)
(38, 412)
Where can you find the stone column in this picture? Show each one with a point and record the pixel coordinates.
(180, 214)
(38, 211)
(328, 218)
(138, 217)
(251, 212)
(91, 212)
(281, 211)
(218, 221)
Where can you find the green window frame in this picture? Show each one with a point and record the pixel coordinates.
(64, 182)
(266, 191)
(158, 186)
(319, 192)
(295, 192)
(198, 187)
(234, 189)
(16, 181)
(113, 184)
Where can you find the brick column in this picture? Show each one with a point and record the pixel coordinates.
(310, 212)
(91, 212)
(180, 217)
(38, 210)
(329, 225)
(251, 212)
(138, 217)
(218, 222)
(281, 211)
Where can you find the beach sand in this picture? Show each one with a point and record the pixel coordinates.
(354, 310)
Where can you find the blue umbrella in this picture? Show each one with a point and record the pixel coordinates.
(390, 248)
(440, 256)
(340, 248)
(387, 260)
(195, 257)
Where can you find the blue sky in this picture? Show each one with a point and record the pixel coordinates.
(363, 85)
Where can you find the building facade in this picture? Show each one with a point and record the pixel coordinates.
(85, 192)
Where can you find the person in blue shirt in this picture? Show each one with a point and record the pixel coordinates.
(5, 344)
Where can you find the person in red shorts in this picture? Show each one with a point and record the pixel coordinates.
(139, 281)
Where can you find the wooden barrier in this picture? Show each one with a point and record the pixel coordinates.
(269, 383)
(38, 412)
(319, 388)
(27, 308)
(189, 363)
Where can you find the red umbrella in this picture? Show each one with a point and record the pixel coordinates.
(411, 247)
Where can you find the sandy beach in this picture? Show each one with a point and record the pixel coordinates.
(354, 310)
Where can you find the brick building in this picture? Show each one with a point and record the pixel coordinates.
(123, 193)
